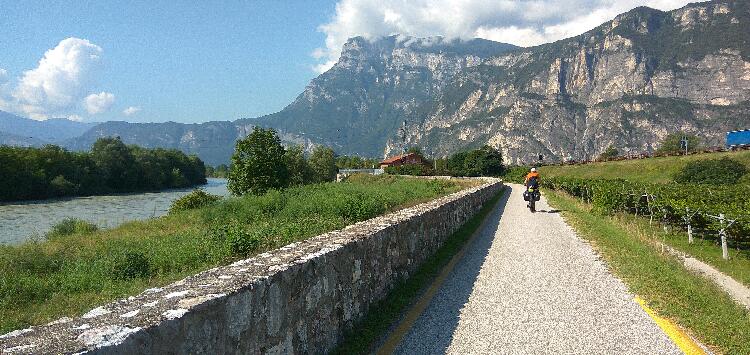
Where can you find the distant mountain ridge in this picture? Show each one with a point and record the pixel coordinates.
(34, 133)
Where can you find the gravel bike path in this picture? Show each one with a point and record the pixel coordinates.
(528, 284)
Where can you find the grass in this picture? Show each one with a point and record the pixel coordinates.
(387, 312)
(688, 299)
(705, 250)
(72, 273)
(651, 170)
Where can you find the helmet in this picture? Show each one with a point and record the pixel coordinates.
(533, 169)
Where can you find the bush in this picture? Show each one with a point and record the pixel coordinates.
(70, 226)
(516, 174)
(196, 199)
(723, 171)
(239, 241)
(131, 265)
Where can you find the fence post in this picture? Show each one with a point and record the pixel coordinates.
(689, 226)
(723, 234)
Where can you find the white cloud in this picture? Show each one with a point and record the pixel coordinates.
(75, 118)
(98, 103)
(131, 110)
(59, 83)
(520, 22)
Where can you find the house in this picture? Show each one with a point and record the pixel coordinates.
(409, 158)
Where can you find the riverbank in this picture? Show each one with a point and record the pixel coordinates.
(20, 221)
(64, 277)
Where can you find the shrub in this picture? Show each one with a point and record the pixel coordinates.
(714, 171)
(70, 226)
(609, 153)
(516, 174)
(131, 265)
(196, 199)
(239, 240)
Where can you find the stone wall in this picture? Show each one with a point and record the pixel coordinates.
(296, 299)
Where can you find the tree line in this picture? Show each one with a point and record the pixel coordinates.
(260, 163)
(484, 161)
(110, 167)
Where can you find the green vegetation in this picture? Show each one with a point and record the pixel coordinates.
(652, 170)
(70, 226)
(383, 315)
(111, 166)
(674, 144)
(670, 204)
(66, 276)
(485, 161)
(323, 164)
(690, 300)
(356, 162)
(724, 171)
(196, 199)
(516, 174)
(260, 163)
(609, 153)
(220, 171)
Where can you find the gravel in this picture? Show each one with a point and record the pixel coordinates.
(528, 284)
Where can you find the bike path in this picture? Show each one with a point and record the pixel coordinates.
(528, 285)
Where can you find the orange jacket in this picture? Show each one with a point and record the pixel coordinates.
(531, 175)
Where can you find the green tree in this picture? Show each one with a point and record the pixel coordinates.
(299, 169)
(672, 143)
(323, 164)
(116, 162)
(486, 161)
(258, 164)
(609, 153)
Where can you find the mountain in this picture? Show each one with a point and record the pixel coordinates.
(34, 133)
(212, 141)
(375, 87)
(627, 83)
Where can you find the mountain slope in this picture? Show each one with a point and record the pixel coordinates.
(34, 132)
(627, 83)
(375, 87)
(212, 141)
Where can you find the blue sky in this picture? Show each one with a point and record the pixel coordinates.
(191, 61)
(177, 60)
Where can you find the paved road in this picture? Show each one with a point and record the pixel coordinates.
(527, 284)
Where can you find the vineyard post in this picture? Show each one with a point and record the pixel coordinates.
(723, 234)
(689, 226)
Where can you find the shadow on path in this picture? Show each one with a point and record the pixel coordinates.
(440, 319)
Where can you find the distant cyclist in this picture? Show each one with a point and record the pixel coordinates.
(532, 179)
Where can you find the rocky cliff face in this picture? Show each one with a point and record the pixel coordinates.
(627, 83)
(375, 87)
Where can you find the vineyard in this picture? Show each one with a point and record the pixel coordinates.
(717, 213)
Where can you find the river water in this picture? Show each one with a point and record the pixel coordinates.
(23, 220)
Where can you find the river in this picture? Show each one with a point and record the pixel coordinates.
(23, 220)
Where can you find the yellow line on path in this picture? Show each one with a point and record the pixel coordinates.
(682, 340)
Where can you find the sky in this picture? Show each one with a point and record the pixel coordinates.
(188, 61)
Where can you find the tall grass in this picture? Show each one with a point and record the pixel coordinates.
(65, 276)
